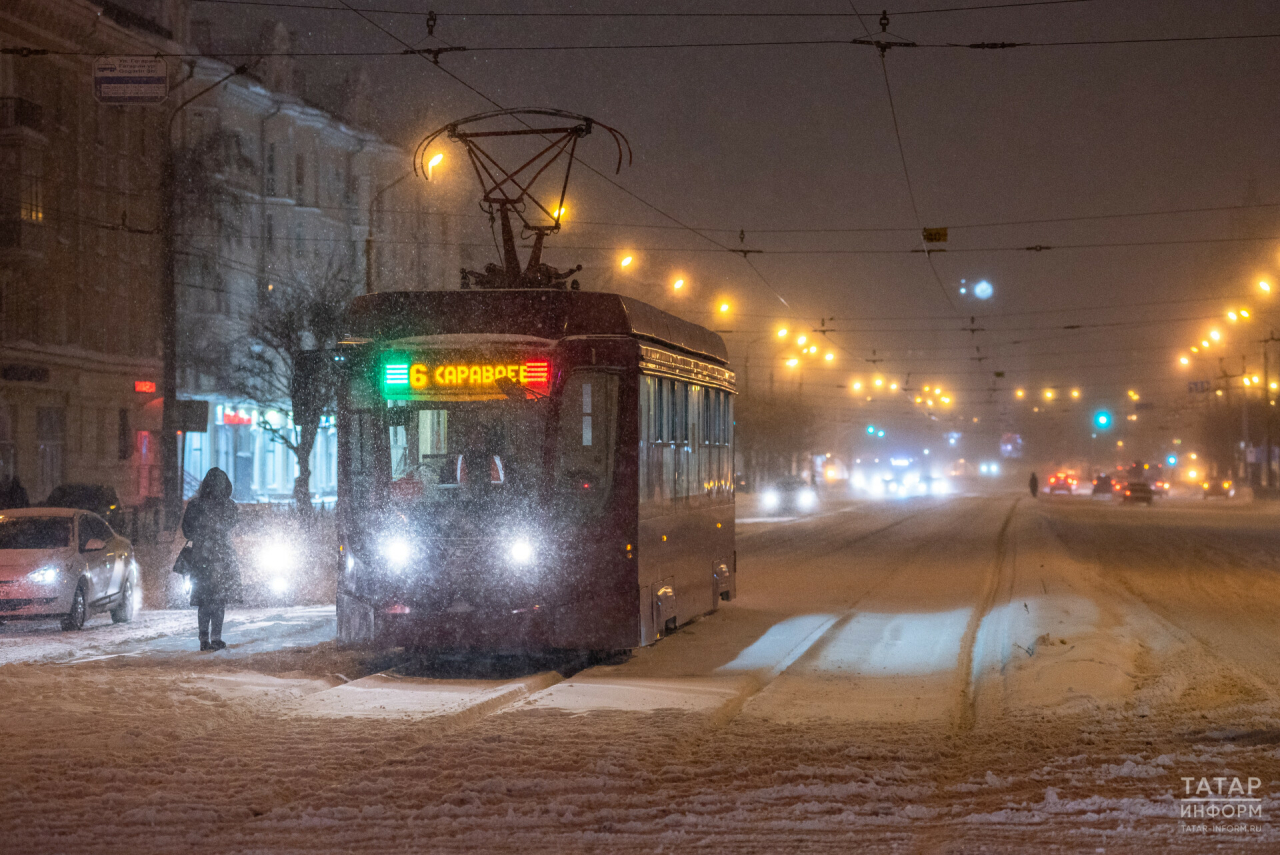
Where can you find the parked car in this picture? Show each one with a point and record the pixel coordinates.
(96, 498)
(1138, 491)
(1103, 485)
(1217, 488)
(789, 495)
(64, 563)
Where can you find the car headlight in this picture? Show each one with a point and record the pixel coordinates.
(520, 551)
(276, 557)
(770, 498)
(44, 576)
(397, 551)
(807, 498)
(278, 584)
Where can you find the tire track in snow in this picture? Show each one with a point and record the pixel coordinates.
(966, 703)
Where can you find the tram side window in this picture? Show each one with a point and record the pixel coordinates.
(364, 430)
(588, 420)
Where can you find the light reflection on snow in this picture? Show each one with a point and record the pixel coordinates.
(896, 644)
(771, 649)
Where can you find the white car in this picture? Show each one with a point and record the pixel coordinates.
(64, 563)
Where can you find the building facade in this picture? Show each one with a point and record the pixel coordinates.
(296, 191)
(79, 252)
(311, 199)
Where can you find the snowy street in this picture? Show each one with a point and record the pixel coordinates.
(918, 676)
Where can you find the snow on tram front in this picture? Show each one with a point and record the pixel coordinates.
(530, 469)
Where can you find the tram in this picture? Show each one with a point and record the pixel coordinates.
(530, 469)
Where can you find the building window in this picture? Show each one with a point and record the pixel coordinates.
(124, 442)
(51, 431)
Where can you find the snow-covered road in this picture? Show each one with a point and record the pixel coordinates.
(983, 672)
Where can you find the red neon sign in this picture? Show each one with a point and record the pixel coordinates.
(231, 417)
(148, 386)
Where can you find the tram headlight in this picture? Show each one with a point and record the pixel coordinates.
(770, 499)
(397, 551)
(276, 557)
(520, 551)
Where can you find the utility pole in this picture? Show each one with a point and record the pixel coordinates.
(1268, 402)
(170, 466)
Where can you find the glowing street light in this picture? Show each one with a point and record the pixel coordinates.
(678, 284)
(433, 163)
(1215, 335)
(1021, 393)
(1265, 286)
(829, 357)
(1244, 313)
(792, 362)
(857, 385)
(879, 382)
(1075, 393)
(1048, 394)
(724, 307)
(782, 333)
(1204, 343)
(1185, 361)
(559, 214)
(1133, 395)
(802, 339)
(893, 387)
(626, 261)
(1232, 316)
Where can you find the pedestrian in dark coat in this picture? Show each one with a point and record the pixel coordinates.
(215, 573)
(1034, 485)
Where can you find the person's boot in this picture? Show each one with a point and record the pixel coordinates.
(217, 644)
(204, 644)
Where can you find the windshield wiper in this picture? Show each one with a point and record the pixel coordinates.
(515, 391)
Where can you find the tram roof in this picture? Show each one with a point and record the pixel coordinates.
(543, 313)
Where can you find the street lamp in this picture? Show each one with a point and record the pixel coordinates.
(435, 161)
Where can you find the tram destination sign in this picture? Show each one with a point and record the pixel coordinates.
(405, 377)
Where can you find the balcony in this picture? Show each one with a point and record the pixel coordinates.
(21, 113)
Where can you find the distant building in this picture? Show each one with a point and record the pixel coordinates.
(316, 195)
(79, 253)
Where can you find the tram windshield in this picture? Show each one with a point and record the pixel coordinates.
(451, 453)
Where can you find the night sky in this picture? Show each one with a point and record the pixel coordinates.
(772, 138)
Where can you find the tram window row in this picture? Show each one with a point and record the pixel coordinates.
(686, 442)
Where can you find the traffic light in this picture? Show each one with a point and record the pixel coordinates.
(1102, 420)
(871, 430)
(1172, 460)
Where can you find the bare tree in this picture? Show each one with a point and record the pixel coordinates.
(293, 317)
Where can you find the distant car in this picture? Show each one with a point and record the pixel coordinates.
(1103, 485)
(790, 495)
(1138, 491)
(1062, 483)
(63, 563)
(95, 498)
(1160, 488)
(1218, 489)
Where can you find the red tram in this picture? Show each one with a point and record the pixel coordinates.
(530, 469)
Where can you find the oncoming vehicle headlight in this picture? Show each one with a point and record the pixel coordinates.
(520, 551)
(278, 584)
(397, 551)
(44, 576)
(807, 498)
(770, 499)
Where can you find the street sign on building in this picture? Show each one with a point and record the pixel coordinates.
(130, 79)
(936, 235)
